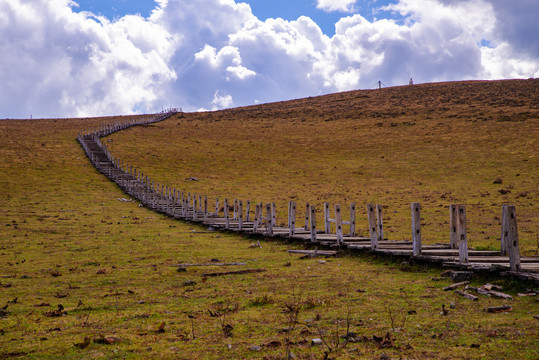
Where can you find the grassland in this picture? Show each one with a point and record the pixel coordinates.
(67, 239)
(472, 143)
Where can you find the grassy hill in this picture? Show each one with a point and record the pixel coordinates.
(69, 239)
(472, 143)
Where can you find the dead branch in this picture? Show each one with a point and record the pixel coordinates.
(239, 272)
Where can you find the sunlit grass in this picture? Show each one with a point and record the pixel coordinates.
(67, 239)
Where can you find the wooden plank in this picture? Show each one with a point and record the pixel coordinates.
(416, 229)
(239, 272)
(442, 252)
(318, 252)
(212, 264)
(466, 295)
(456, 285)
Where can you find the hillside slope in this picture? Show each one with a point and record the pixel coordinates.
(460, 142)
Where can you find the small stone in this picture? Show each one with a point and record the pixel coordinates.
(452, 305)
(255, 348)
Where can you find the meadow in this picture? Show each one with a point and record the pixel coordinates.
(85, 274)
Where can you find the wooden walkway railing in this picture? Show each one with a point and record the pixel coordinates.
(261, 218)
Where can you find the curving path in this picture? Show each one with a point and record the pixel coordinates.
(260, 219)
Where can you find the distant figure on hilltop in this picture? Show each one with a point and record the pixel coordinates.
(411, 82)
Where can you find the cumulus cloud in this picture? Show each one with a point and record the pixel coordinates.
(507, 27)
(213, 54)
(59, 63)
(336, 5)
(222, 100)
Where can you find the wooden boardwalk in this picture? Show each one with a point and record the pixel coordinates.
(261, 218)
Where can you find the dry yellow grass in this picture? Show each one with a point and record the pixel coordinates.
(436, 144)
(66, 239)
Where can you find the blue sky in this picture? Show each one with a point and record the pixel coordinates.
(60, 61)
(263, 9)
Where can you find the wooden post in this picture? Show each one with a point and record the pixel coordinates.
(205, 208)
(371, 213)
(194, 207)
(461, 234)
(352, 219)
(217, 207)
(184, 211)
(269, 221)
(307, 215)
(235, 217)
(247, 210)
(327, 224)
(227, 219)
(338, 223)
(240, 215)
(416, 229)
(312, 218)
(257, 217)
(200, 203)
(511, 238)
(505, 232)
(273, 216)
(453, 237)
(292, 218)
(379, 222)
(289, 212)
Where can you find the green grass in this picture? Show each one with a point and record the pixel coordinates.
(64, 232)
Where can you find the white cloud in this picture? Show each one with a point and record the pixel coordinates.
(222, 101)
(58, 63)
(215, 53)
(336, 5)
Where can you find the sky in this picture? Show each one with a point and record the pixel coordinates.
(65, 58)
